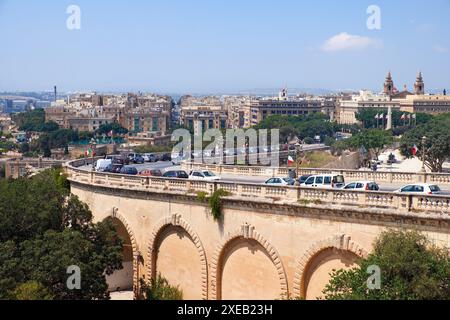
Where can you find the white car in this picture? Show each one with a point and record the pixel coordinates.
(420, 188)
(280, 182)
(102, 164)
(362, 186)
(204, 175)
(327, 181)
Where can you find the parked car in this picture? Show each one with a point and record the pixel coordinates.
(114, 168)
(151, 173)
(102, 164)
(149, 157)
(280, 182)
(137, 159)
(204, 175)
(326, 181)
(179, 174)
(420, 188)
(166, 157)
(121, 159)
(132, 171)
(362, 186)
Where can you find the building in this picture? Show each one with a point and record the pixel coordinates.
(135, 112)
(391, 98)
(88, 124)
(260, 109)
(147, 113)
(349, 105)
(432, 104)
(203, 113)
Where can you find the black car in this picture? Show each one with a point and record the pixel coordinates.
(132, 171)
(179, 174)
(121, 159)
(166, 157)
(114, 168)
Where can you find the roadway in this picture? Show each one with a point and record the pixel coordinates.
(231, 178)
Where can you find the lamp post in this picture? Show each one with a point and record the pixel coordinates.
(298, 150)
(93, 145)
(424, 143)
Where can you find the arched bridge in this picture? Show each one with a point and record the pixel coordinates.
(271, 243)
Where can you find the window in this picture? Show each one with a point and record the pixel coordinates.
(310, 181)
(408, 189)
(350, 186)
(338, 179)
(359, 186)
(319, 180)
(435, 189)
(327, 180)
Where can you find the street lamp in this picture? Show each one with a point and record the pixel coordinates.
(93, 145)
(298, 150)
(424, 143)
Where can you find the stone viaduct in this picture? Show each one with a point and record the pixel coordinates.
(271, 243)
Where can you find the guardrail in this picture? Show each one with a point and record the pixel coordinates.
(397, 203)
(349, 175)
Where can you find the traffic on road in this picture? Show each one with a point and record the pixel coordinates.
(162, 165)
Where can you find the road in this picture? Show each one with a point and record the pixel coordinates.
(165, 166)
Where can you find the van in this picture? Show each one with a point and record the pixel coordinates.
(102, 165)
(325, 181)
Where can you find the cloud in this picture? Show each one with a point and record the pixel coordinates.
(345, 41)
(440, 49)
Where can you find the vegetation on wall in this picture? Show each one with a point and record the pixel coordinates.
(159, 289)
(215, 203)
(412, 268)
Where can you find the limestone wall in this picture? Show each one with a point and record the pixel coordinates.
(258, 251)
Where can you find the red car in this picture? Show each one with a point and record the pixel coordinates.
(151, 173)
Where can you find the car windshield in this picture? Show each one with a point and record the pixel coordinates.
(208, 174)
(435, 189)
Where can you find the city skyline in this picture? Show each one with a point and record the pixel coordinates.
(222, 47)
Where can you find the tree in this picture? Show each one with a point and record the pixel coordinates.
(115, 127)
(43, 231)
(34, 121)
(367, 117)
(32, 290)
(160, 289)
(412, 268)
(437, 146)
(373, 140)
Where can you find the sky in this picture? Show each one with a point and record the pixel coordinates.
(212, 46)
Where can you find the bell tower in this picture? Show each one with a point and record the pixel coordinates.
(389, 85)
(419, 86)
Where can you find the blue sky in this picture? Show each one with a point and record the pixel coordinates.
(203, 46)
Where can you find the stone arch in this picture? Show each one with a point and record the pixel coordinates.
(176, 221)
(246, 231)
(136, 253)
(340, 242)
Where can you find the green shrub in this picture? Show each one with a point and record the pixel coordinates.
(159, 289)
(215, 202)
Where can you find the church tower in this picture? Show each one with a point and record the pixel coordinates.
(389, 85)
(283, 96)
(419, 86)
